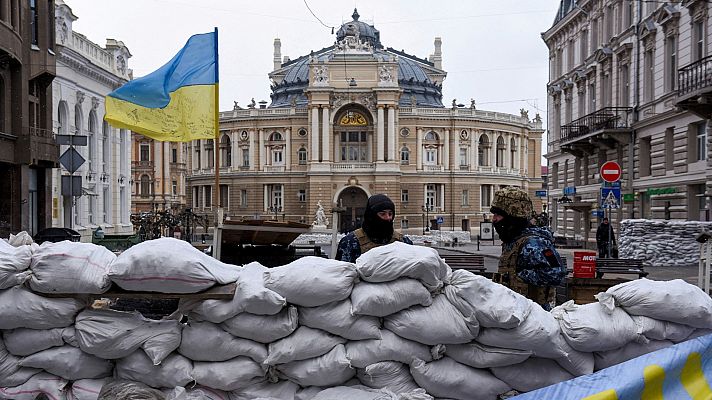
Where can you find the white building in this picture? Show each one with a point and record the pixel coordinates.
(86, 72)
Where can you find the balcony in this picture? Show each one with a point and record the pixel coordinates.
(40, 147)
(142, 165)
(352, 167)
(274, 168)
(694, 87)
(604, 128)
(433, 168)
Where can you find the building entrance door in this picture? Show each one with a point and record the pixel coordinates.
(353, 199)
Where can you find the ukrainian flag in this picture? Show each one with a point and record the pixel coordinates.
(176, 103)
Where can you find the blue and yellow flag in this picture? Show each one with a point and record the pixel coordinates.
(177, 102)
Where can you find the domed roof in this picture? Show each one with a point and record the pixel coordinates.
(367, 33)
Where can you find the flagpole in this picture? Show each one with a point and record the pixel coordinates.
(216, 145)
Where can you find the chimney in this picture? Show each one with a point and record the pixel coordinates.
(437, 57)
(277, 59)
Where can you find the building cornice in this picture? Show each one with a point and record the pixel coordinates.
(80, 64)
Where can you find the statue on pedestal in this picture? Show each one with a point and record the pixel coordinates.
(320, 220)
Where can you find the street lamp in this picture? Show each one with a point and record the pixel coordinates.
(427, 208)
(276, 209)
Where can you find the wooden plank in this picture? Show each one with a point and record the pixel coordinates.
(217, 292)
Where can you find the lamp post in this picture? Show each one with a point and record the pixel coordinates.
(276, 209)
(427, 208)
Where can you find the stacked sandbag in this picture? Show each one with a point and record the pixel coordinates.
(661, 243)
(69, 267)
(15, 263)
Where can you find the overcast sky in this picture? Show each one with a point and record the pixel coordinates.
(492, 50)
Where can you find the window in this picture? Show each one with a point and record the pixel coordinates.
(196, 197)
(670, 62)
(669, 148)
(606, 88)
(174, 155)
(431, 136)
(645, 158)
(581, 103)
(354, 146)
(431, 194)
(277, 156)
(245, 157)
(570, 55)
(404, 224)
(485, 197)
(627, 14)
(145, 186)
(483, 151)
(275, 137)
(107, 204)
(698, 39)
(224, 196)
(513, 151)
(243, 198)
(174, 188)
(273, 196)
(302, 196)
(465, 197)
(106, 147)
(648, 74)
(92, 205)
(463, 157)
(624, 79)
(500, 151)
(594, 35)
(431, 156)
(208, 196)
(197, 161)
(405, 155)
(225, 152)
(592, 97)
(91, 141)
(34, 23)
(302, 156)
(404, 196)
(701, 141)
(569, 107)
(584, 45)
(554, 179)
(209, 153)
(144, 152)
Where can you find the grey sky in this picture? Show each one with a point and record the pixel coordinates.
(492, 50)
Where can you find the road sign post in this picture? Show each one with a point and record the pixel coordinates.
(611, 171)
(610, 194)
(71, 160)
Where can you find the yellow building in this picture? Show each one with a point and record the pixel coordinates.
(355, 119)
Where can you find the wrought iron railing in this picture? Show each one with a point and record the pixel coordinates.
(605, 118)
(695, 76)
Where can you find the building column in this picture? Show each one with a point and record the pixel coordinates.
(474, 148)
(380, 145)
(314, 134)
(419, 149)
(446, 151)
(261, 148)
(507, 151)
(325, 134)
(253, 158)
(287, 149)
(391, 133)
(493, 151)
(234, 149)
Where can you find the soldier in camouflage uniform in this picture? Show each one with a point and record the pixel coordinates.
(529, 265)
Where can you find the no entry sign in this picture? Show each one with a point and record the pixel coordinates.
(611, 171)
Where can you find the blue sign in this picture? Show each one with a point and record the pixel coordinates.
(616, 184)
(569, 190)
(610, 197)
(540, 193)
(441, 220)
(597, 213)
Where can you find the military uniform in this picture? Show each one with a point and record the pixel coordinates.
(529, 264)
(357, 242)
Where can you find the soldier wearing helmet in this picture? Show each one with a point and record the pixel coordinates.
(529, 265)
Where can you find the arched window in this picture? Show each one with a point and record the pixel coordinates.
(145, 186)
(405, 155)
(210, 152)
(197, 159)
(483, 151)
(225, 151)
(106, 147)
(302, 155)
(91, 140)
(431, 148)
(500, 152)
(430, 136)
(275, 136)
(63, 118)
(513, 150)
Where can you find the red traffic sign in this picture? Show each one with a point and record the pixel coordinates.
(611, 171)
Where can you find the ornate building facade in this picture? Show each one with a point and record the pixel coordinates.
(629, 83)
(158, 175)
(86, 73)
(356, 119)
(28, 151)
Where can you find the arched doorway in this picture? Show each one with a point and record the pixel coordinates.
(353, 199)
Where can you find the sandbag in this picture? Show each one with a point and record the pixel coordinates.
(605, 359)
(336, 318)
(263, 328)
(11, 374)
(174, 370)
(480, 356)
(23, 341)
(398, 260)
(539, 333)
(697, 333)
(203, 341)
(390, 347)
(113, 334)
(86, 389)
(169, 265)
(304, 343)
(14, 264)
(674, 301)
(196, 393)
(331, 369)
(449, 379)
(21, 239)
(494, 305)
(381, 299)
(267, 390)
(119, 389)
(20, 308)
(42, 383)
(312, 281)
(532, 374)
(653, 329)
(233, 374)
(590, 327)
(440, 323)
(352, 393)
(577, 363)
(251, 296)
(69, 362)
(390, 375)
(71, 267)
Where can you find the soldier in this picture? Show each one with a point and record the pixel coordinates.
(529, 265)
(376, 230)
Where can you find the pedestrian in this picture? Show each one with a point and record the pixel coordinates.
(530, 264)
(605, 240)
(376, 230)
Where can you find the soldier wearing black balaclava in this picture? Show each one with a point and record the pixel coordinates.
(376, 230)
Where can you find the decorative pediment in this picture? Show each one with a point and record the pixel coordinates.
(579, 76)
(566, 84)
(647, 30)
(624, 50)
(555, 89)
(603, 54)
(353, 118)
(697, 8)
(668, 17)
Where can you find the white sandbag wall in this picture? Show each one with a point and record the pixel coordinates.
(661, 243)
(397, 325)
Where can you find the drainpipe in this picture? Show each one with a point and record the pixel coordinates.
(635, 116)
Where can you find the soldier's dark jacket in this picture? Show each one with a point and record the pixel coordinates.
(534, 264)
